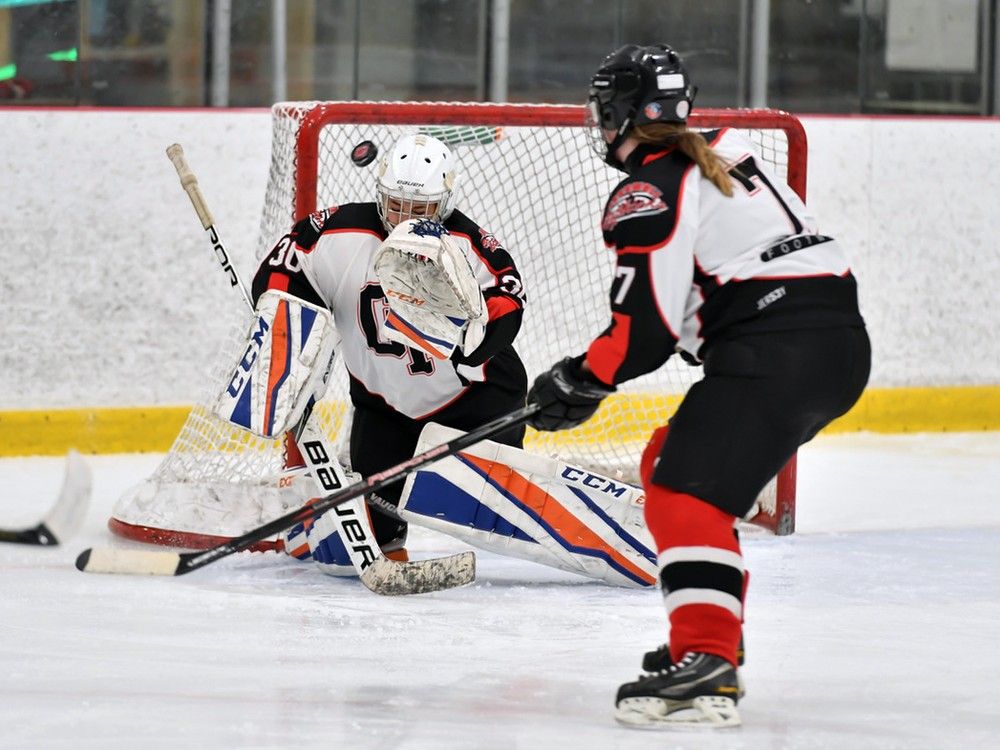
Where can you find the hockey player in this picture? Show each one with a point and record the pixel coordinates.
(717, 259)
(418, 345)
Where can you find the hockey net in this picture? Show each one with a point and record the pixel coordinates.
(529, 177)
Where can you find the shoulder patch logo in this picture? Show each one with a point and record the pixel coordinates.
(488, 241)
(318, 218)
(633, 200)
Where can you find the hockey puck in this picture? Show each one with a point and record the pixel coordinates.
(364, 153)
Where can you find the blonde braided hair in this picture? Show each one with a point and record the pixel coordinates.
(693, 145)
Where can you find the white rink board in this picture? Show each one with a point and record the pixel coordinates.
(112, 298)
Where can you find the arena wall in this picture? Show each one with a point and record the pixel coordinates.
(112, 303)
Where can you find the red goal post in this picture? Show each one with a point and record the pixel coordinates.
(787, 154)
(307, 140)
(530, 178)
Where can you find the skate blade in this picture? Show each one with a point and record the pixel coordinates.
(706, 711)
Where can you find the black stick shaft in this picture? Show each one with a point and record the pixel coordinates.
(38, 535)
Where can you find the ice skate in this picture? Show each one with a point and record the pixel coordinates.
(659, 660)
(700, 690)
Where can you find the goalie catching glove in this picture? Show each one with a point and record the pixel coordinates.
(285, 364)
(567, 396)
(435, 303)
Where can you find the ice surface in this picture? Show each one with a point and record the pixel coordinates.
(875, 626)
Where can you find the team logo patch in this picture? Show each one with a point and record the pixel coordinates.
(318, 218)
(632, 201)
(653, 110)
(488, 241)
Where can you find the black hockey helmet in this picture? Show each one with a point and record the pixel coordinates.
(638, 85)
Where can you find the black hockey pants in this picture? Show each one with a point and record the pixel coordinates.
(383, 438)
(763, 396)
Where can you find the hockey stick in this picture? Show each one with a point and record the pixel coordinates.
(378, 573)
(157, 562)
(66, 516)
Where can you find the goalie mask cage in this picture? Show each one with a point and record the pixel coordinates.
(527, 175)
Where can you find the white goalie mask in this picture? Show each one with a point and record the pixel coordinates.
(416, 180)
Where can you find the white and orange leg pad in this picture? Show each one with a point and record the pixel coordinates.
(285, 363)
(514, 503)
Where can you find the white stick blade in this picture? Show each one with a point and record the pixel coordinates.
(66, 516)
(391, 578)
(129, 562)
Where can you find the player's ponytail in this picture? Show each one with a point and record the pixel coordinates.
(693, 145)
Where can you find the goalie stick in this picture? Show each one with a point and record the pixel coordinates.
(377, 573)
(66, 516)
(392, 577)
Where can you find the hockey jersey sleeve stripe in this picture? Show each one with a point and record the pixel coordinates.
(500, 333)
(499, 306)
(278, 281)
(499, 254)
(640, 337)
(607, 353)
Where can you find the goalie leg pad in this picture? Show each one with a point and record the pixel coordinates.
(320, 540)
(330, 554)
(508, 501)
(327, 546)
(297, 542)
(285, 363)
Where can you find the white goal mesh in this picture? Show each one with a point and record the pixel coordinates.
(528, 176)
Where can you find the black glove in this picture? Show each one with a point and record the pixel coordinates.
(567, 396)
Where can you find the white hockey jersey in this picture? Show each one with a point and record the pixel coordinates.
(327, 259)
(694, 264)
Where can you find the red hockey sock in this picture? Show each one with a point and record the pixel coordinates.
(701, 571)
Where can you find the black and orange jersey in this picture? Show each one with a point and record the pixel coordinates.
(694, 265)
(327, 259)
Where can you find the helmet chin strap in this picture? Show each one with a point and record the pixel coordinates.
(611, 154)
